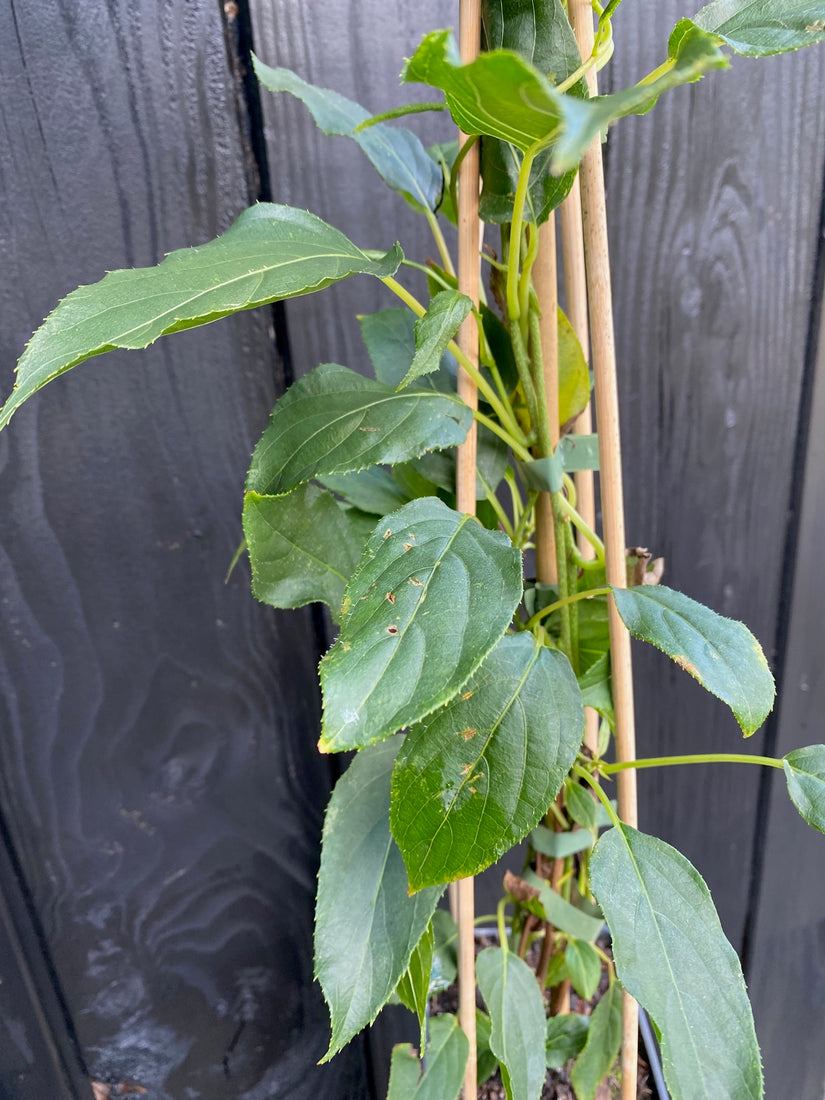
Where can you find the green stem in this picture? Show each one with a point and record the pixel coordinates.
(523, 525)
(504, 414)
(582, 773)
(502, 924)
(462, 153)
(428, 271)
(574, 598)
(582, 526)
(518, 450)
(513, 305)
(441, 244)
(531, 395)
(651, 78)
(699, 758)
(495, 504)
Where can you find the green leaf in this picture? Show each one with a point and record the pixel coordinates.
(271, 252)
(405, 1070)
(433, 332)
(805, 776)
(560, 845)
(433, 594)
(397, 154)
(540, 32)
(502, 95)
(584, 967)
(444, 153)
(389, 336)
(516, 1008)
(574, 376)
(486, 1061)
(596, 689)
(445, 958)
(561, 914)
(566, 1035)
(720, 653)
(447, 1054)
(374, 490)
(414, 987)
(690, 55)
(366, 925)
(476, 776)
(334, 421)
(672, 956)
(580, 804)
(303, 547)
(601, 1048)
(757, 28)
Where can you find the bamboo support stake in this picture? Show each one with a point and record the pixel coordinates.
(594, 218)
(469, 35)
(546, 286)
(575, 289)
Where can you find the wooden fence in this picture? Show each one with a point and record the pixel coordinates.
(160, 793)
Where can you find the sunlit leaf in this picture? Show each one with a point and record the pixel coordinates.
(761, 27)
(540, 32)
(432, 595)
(477, 775)
(720, 653)
(502, 95)
(366, 925)
(271, 252)
(670, 951)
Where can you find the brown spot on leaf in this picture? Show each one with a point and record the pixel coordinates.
(392, 629)
(472, 790)
(391, 597)
(411, 536)
(408, 546)
(469, 733)
(466, 769)
(467, 695)
(416, 582)
(684, 663)
(387, 533)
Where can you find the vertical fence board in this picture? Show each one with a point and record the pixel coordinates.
(157, 759)
(357, 48)
(713, 205)
(788, 951)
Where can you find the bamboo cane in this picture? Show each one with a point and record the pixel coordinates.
(469, 34)
(575, 292)
(545, 282)
(597, 260)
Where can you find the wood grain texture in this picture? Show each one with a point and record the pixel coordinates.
(357, 48)
(788, 949)
(157, 760)
(713, 204)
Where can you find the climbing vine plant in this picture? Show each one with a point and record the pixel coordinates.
(460, 682)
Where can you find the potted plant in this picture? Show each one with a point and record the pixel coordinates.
(462, 682)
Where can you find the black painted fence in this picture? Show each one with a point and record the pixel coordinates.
(160, 793)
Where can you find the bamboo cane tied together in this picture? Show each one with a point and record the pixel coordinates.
(597, 260)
